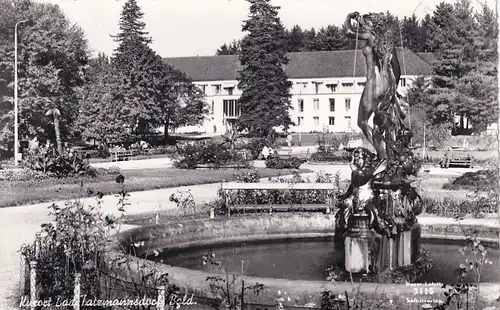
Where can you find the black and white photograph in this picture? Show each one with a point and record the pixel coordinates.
(249, 155)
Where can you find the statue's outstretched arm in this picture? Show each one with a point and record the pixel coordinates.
(354, 33)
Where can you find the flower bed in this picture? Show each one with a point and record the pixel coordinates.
(477, 208)
(212, 155)
(343, 157)
(283, 163)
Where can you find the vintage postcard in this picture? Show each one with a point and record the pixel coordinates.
(249, 154)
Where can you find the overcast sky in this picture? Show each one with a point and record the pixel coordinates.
(199, 27)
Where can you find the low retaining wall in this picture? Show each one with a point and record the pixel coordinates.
(297, 293)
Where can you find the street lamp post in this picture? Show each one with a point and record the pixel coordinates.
(16, 116)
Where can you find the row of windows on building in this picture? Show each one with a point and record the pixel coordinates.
(218, 89)
(347, 104)
(232, 109)
(331, 121)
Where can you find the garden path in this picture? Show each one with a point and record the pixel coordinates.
(19, 224)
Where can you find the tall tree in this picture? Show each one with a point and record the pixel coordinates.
(138, 64)
(186, 105)
(425, 33)
(295, 39)
(478, 88)
(52, 55)
(132, 37)
(424, 130)
(452, 39)
(265, 100)
(309, 40)
(101, 116)
(331, 38)
(411, 33)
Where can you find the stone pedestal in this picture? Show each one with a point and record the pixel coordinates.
(357, 244)
(388, 254)
(357, 258)
(408, 245)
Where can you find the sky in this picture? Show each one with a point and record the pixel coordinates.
(199, 27)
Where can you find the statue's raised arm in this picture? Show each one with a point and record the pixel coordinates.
(356, 32)
(349, 30)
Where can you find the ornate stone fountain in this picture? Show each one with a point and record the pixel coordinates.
(376, 225)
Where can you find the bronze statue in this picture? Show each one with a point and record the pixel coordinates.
(380, 220)
(382, 78)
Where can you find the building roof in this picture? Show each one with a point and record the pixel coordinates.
(428, 57)
(302, 65)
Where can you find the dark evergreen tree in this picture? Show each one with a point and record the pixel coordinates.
(478, 88)
(443, 41)
(223, 50)
(440, 28)
(232, 49)
(265, 100)
(309, 40)
(454, 41)
(295, 39)
(131, 38)
(424, 33)
(331, 38)
(412, 33)
(150, 91)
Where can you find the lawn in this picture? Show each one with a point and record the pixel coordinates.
(24, 192)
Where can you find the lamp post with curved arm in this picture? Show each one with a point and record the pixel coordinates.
(16, 116)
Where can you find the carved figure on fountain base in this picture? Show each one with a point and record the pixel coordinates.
(383, 204)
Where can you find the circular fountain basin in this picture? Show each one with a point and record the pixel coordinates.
(287, 253)
(308, 259)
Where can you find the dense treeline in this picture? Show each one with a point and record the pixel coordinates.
(414, 32)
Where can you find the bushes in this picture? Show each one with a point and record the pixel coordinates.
(448, 207)
(266, 197)
(330, 157)
(77, 242)
(478, 180)
(214, 155)
(13, 175)
(475, 207)
(283, 163)
(47, 160)
(247, 177)
(255, 146)
(74, 243)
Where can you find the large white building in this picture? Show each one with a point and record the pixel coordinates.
(327, 87)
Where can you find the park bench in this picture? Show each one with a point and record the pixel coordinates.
(121, 155)
(287, 154)
(232, 207)
(456, 162)
(304, 155)
(282, 153)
